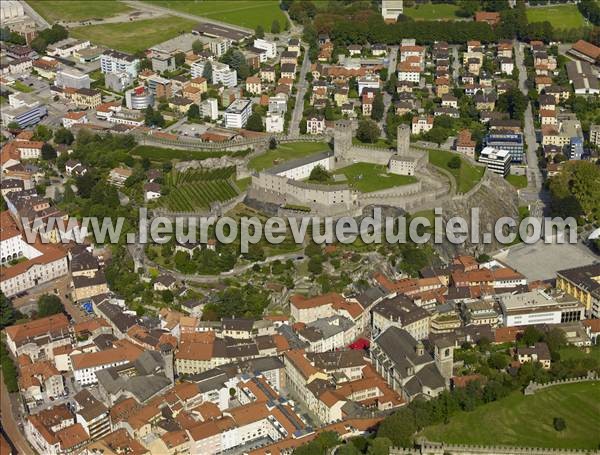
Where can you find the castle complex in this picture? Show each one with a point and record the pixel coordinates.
(286, 184)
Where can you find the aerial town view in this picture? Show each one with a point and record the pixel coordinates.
(308, 227)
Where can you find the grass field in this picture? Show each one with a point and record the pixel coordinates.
(286, 152)
(367, 177)
(163, 154)
(518, 181)
(560, 16)
(527, 420)
(466, 177)
(572, 352)
(134, 36)
(432, 12)
(18, 85)
(77, 10)
(245, 13)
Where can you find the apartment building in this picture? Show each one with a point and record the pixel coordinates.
(497, 161)
(540, 307)
(402, 313)
(112, 61)
(237, 114)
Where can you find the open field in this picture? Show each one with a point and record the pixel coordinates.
(560, 16)
(286, 152)
(572, 352)
(432, 12)
(245, 13)
(21, 87)
(77, 10)
(527, 420)
(518, 181)
(367, 177)
(466, 176)
(134, 36)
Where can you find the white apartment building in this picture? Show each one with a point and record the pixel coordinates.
(391, 9)
(497, 161)
(221, 73)
(368, 81)
(268, 46)
(237, 114)
(274, 123)
(422, 124)
(210, 108)
(219, 46)
(112, 61)
(315, 125)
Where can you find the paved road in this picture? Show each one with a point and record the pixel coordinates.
(455, 63)
(39, 20)
(9, 424)
(534, 192)
(159, 9)
(294, 127)
(393, 59)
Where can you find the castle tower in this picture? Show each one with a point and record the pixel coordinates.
(166, 351)
(342, 137)
(443, 354)
(403, 140)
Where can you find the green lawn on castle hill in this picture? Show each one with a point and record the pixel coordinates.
(520, 420)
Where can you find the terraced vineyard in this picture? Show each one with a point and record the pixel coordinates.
(197, 189)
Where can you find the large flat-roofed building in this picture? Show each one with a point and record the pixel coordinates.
(583, 283)
(221, 31)
(391, 9)
(23, 110)
(236, 115)
(301, 168)
(581, 75)
(540, 307)
(506, 140)
(72, 77)
(497, 161)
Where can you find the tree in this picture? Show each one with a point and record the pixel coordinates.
(49, 304)
(319, 174)
(255, 122)
(378, 107)
(559, 424)
(193, 112)
(272, 143)
(42, 133)
(63, 136)
(275, 27)
(207, 71)
(454, 162)
(7, 312)
(166, 296)
(197, 46)
(13, 126)
(48, 152)
(259, 31)
(531, 335)
(498, 360)
(153, 118)
(514, 102)
(179, 58)
(315, 266)
(368, 131)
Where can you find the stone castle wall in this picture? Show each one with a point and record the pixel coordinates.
(433, 448)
